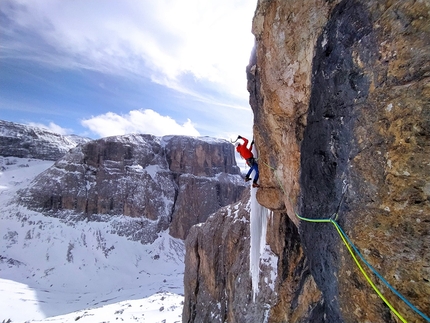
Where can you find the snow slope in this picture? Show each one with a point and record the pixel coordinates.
(57, 271)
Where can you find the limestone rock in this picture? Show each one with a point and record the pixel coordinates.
(199, 196)
(203, 157)
(131, 175)
(340, 96)
(341, 102)
(217, 286)
(272, 198)
(207, 177)
(217, 282)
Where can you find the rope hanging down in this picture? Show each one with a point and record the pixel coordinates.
(352, 248)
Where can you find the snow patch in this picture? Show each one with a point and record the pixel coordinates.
(389, 107)
(270, 260)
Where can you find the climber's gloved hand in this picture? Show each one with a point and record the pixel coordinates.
(252, 142)
(239, 137)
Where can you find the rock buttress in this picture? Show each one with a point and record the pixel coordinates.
(341, 101)
(217, 284)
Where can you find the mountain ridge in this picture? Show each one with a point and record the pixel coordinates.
(39, 248)
(25, 141)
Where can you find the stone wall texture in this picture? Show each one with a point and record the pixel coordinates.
(341, 98)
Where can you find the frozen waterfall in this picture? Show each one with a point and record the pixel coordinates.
(259, 215)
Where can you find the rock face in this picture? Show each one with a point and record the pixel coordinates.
(149, 179)
(217, 284)
(31, 142)
(202, 170)
(341, 100)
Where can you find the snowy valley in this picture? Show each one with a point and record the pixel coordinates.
(63, 261)
(51, 268)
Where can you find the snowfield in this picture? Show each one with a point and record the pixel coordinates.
(52, 270)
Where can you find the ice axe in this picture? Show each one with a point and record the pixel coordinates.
(238, 137)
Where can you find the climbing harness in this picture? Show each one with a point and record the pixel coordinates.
(352, 248)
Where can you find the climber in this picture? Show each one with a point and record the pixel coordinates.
(246, 153)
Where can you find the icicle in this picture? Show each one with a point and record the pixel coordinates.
(258, 229)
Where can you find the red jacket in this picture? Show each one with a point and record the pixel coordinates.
(245, 152)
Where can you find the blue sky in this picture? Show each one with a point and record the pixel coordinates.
(109, 67)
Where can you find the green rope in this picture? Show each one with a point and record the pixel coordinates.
(347, 243)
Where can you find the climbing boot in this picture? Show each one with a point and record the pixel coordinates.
(247, 179)
(254, 184)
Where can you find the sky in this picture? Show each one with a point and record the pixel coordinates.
(110, 67)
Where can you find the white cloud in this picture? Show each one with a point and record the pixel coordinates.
(138, 121)
(160, 39)
(51, 127)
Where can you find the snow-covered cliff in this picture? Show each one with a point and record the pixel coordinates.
(158, 183)
(79, 269)
(104, 222)
(17, 140)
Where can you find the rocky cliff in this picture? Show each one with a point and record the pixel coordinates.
(206, 174)
(217, 283)
(32, 142)
(157, 183)
(341, 100)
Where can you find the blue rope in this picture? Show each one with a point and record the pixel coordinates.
(383, 280)
(333, 221)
